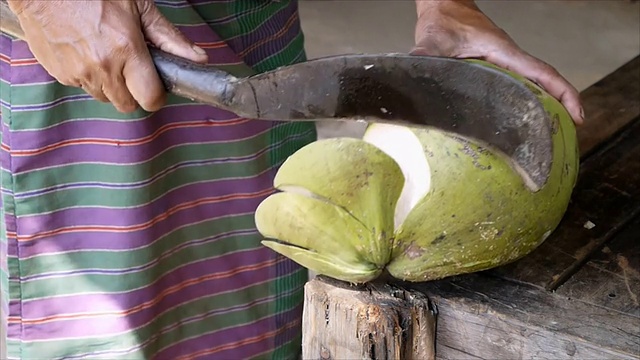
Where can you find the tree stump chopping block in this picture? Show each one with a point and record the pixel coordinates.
(375, 321)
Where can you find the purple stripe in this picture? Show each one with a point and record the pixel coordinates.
(26, 74)
(90, 271)
(204, 34)
(87, 216)
(266, 30)
(236, 334)
(50, 104)
(197, 3)
(114, 155)
(123, 130)
(158, 175)
(150, 297)
(5, 73)
(183, 302)
(5, 156)
(234, 17)
(5, 45)
(105, 240)
(111, 240)
(174, 326)
(139, 184)
(125, 155)
(172, 4)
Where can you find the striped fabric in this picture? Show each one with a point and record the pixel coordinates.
(132, 236)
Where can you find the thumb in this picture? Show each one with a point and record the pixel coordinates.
(422, 50)
(165, 36)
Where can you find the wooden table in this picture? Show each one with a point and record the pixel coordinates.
(575, 297)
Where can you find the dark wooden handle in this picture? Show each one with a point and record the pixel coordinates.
(181, 77)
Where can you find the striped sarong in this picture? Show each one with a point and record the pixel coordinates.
(132, 236)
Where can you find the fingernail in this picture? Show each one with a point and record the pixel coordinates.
(198, 50)
(582, 113)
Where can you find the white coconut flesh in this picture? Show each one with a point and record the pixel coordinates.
(403, 146)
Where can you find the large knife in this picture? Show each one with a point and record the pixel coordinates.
(464, 97)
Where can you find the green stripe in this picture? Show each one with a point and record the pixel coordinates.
(165, 243)
(36, 120)
(291, 51)
(128, 340)
(122, 174)
(119, 283)
(79, 197)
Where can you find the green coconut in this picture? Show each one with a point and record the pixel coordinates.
(423, 204)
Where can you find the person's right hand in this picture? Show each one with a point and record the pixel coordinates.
(99, 45)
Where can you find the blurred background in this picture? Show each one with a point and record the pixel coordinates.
(583, 39)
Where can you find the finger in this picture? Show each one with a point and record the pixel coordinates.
(544, 75)
(165, 36)
(427, 50)
(143, 81)
(95, 90)
(115, 88)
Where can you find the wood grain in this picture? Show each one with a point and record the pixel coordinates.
(611, 278)
(377, 322)
(610, 104)
(487, 318)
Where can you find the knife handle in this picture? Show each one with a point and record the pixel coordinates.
(180, 76)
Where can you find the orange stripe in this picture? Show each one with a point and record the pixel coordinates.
(18, 62)
(23, 62)
(282, 31)
(132, 142)
(236, 344)
(146, 225)
(211, 45)
(147, 304)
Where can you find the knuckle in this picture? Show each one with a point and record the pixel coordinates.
(152, 102)
(126, 106)
(67, 81)
(86, 72)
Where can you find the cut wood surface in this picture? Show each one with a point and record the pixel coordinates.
(377, 322)
(488, 318)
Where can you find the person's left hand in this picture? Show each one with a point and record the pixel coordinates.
(458, 28)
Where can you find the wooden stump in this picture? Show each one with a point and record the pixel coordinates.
(375, 321)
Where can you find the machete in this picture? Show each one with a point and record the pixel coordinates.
(458, 96)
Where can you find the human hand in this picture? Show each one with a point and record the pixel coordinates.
(458, 28)
(99, 45)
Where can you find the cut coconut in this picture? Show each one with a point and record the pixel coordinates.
(422, 203)
(479, 211)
